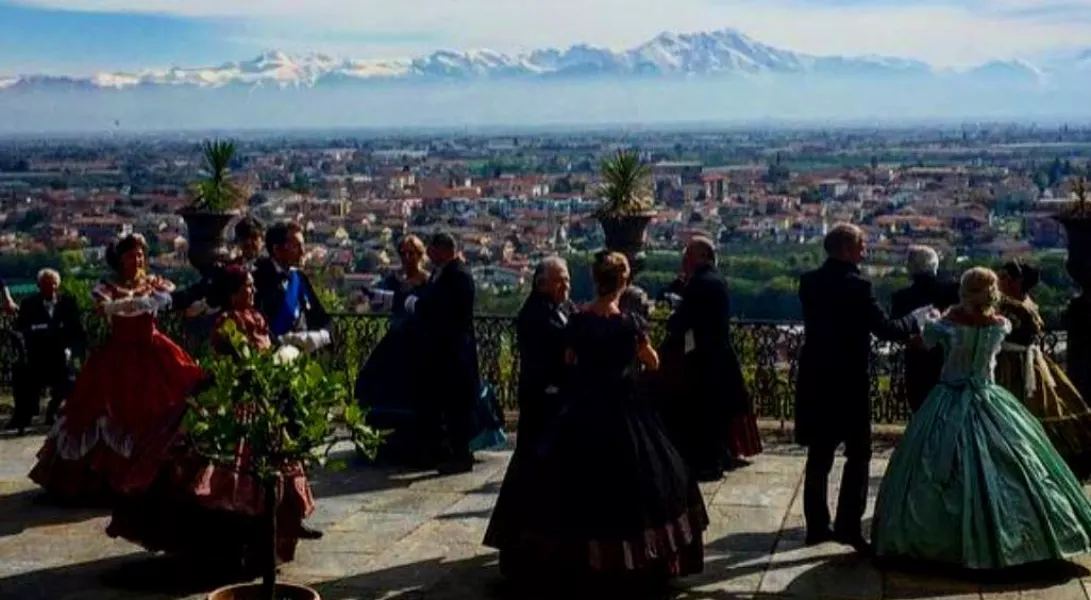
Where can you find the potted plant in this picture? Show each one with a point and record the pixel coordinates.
(216, 200)
(1076, 219)
(285, 411)
(627, 203)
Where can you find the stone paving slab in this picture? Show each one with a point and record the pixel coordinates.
(416, 536)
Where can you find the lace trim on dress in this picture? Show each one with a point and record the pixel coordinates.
(75, 447)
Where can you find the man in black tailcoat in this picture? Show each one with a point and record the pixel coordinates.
(709, 387)
(283, 294)
(922, 366)
(833, 390)
(539, 329)
(445, 313)
(49, 323)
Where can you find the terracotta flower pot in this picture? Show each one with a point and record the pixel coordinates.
(206, 235)
(252, 591)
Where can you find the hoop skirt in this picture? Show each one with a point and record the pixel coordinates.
(976, 483)
(120, 420)
(604, 493)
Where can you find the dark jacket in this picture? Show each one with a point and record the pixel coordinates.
(712, 372)
(270, 283)
(444, 311)
(47, 337)
(540, 333)
(922, 367)
(840, 314)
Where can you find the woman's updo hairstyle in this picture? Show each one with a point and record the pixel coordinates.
(979, 290)
(123, 246)
(225, 285)
(610, 273)
(1027, 275)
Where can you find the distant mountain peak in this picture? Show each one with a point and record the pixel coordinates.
(722, 52)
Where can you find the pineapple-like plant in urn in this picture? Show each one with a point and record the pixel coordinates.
(271, 414)
(627, 203)
(216, 201)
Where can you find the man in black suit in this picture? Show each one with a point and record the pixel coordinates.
(445, 311)
(833, 390)
(922, 366)
(539, 331)
(49, 323)
(712, 387)
(284, 294)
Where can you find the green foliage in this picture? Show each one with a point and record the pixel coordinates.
(217, 192)
(284, 411)
(625, 188)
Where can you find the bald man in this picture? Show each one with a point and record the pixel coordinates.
(707, 391)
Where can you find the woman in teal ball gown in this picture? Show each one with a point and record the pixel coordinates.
(975, 483)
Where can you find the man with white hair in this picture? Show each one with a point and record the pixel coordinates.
(539, 332)
(922, 366)
(52, 332)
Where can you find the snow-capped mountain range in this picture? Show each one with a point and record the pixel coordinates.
(725, 52)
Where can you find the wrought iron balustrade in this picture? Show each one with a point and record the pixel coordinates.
(768, 351)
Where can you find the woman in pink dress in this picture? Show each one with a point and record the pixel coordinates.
(130, 393)
(198, 501)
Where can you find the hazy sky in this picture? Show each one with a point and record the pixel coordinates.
(79, 36)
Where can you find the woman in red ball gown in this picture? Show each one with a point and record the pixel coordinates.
(110, 437)
(197, 500)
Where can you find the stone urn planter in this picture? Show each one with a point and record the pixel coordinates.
(253, 591)
(206, 235)
(626, 233)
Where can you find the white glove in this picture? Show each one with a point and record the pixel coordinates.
(67, 355)
(925, 314)
(159, 301)
(411, 304)
(307, 341)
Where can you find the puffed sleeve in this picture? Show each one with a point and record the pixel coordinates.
(936, 333)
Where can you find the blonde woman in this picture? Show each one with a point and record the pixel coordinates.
(385, 383)
(606, 496)
(976, 483)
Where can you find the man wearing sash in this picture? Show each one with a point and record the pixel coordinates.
(286, 299)
(49, 323)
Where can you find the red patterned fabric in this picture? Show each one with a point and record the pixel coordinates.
(745, 438)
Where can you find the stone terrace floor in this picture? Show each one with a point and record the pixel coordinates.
(414, 536)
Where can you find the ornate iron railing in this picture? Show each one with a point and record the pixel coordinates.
(767, 350)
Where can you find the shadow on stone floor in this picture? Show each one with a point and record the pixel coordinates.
(22, 511)
(138, 576)
(363, 478)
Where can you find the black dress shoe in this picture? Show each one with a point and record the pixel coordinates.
(309, 533)
(819, 536)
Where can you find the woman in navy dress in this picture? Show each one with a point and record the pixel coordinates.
(385, 382)
(606, 497)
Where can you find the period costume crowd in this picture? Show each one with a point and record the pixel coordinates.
(614, 434)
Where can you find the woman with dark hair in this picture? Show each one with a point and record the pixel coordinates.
(111, 434)
(196, 500)
(607, 498)
(1034, 378)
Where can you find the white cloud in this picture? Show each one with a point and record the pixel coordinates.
(959, 33)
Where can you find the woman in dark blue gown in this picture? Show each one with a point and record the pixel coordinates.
(606, 498)
(385, 382)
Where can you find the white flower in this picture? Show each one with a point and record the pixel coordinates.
(286, 354)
